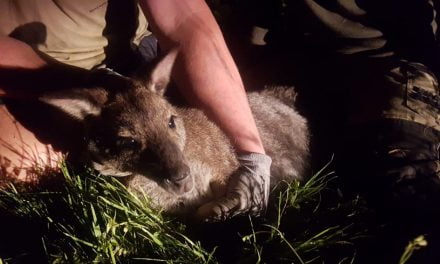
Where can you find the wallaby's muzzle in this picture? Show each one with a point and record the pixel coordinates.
(174, 172)
(181, 182)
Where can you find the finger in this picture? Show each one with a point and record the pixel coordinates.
(227, 208)
(252, 190)
(219, 210)
(421, 170)
(429, 168)
(419, 180)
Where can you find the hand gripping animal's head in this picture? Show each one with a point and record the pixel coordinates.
(130, 128)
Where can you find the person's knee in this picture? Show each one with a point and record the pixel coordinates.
(395, 161)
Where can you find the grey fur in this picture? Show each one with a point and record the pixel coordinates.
(177, 156)
(212, 160)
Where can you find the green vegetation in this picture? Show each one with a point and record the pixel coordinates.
(94, 219)
(416, 244)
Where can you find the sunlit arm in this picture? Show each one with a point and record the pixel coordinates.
(205, 71)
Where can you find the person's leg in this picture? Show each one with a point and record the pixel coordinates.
(396, 156)
(394, 160)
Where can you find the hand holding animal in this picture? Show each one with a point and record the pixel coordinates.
(177, 156)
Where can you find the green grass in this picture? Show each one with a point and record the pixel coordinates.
(304, 226)
(95, 219)
(416, 244)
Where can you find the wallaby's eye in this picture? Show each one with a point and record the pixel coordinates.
(127, 143)
(171, 122)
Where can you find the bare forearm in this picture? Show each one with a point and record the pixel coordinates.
(205, 71)
(222, 95)
(24, 74)
(16, 54)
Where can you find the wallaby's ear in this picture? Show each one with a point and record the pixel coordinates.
(77, 103)
(161, 74)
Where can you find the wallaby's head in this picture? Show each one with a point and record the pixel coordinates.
(131, 129)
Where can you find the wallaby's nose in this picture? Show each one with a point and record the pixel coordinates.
(179, 174)
(180, 181)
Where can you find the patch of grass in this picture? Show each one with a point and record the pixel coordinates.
(95, 219)
(306, 226)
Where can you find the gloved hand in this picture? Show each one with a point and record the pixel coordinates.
(396, 163)
(248, 190)
(414, 168)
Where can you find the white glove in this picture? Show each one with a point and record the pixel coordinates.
(248, 190)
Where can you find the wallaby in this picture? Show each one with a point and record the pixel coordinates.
(176, 156)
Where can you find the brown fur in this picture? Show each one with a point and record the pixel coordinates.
(177, 156)
(212, 159)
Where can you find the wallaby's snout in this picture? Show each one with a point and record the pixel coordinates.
(179, 180)
(171, 169)
(174, 169)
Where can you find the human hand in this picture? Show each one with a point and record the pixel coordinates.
(414, 169)
(248, 190)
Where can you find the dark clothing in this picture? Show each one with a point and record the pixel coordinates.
(365, 71)
(371, 28)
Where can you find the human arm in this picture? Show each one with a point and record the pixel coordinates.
(24, 73)
(16, 54)
(208, 77)
(204, 70)
(19, 144)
